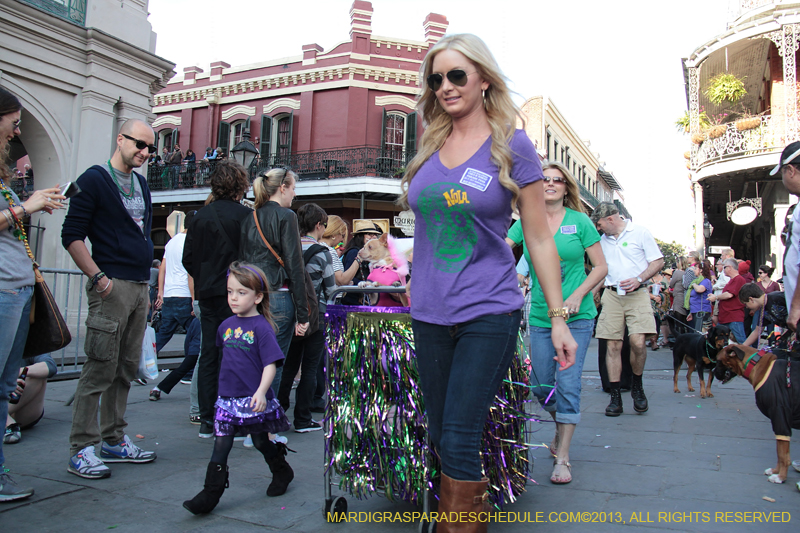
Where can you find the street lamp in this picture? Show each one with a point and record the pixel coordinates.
(708, 229)
(245, 152)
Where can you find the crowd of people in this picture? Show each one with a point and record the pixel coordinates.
(263, 285)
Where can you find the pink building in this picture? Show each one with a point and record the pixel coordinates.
(343, 119)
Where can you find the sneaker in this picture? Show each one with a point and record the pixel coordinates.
(248, 442)
(125, 452)
(280, 439)
(9, 490)
(86, 464)
(206, 430)
(194, 419)
(12, 435)
(187, 380)
(155, 395)
(140, 381)
(305, 428)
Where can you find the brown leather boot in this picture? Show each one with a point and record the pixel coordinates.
(463, 497)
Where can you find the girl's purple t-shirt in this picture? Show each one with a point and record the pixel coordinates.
(463, 268)
(248, 344)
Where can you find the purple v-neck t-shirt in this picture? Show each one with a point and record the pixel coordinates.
(463, 268)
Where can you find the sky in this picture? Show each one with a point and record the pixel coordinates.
(612, 68)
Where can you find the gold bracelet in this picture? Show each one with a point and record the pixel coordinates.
(558, 311)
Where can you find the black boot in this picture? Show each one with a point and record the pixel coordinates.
(208, 498)
(615, 406)
(282, 473)
(637, 393)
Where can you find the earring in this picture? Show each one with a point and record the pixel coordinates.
(483, 95)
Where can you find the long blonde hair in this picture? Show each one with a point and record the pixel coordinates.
(268, 183)
(572, 198)
(335, 226)
(501, 111)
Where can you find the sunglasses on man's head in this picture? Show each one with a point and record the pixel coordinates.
(141, 145)
(456, 76)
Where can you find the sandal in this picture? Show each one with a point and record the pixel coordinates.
(557, 480)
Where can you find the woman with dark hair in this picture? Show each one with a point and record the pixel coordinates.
(212, 244)
(277, 224)
(764, 279)
(699, 290)
(307, 350)
(472, 169)
(16, 274)
(360, 237)
(189, 159)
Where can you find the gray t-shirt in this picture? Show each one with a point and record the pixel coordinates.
(135, 204)
(16, 270)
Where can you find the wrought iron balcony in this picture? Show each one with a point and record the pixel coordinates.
(315, 165)
(590, 198)
(732, 140)
(71, 10)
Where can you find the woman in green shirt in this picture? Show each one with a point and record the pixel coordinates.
(575, 235)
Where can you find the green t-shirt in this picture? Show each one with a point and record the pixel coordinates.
(575, 234)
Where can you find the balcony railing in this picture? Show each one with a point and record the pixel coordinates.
(71, 10)
(317, 165)
(588, 196)
(735, 143)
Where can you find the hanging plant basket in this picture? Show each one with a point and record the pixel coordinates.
(715, 132)
(725, 88)
(749, 123)
(698, 138)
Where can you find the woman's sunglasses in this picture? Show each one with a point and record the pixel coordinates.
(141, 145)
(456, 76)
(555, 179)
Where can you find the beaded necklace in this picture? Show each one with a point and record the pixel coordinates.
(121, 190)
(19, 230)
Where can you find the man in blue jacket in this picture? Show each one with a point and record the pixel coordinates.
(115, 212)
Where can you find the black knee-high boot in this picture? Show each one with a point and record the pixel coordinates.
(282, 473)
(208, 498)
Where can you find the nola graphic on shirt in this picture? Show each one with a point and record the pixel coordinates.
(450, 225)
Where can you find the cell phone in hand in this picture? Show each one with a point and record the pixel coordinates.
(70, 189)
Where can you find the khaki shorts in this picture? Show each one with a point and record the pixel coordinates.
(633, 309)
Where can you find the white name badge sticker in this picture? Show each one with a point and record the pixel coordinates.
(476, 179)
(569, 230)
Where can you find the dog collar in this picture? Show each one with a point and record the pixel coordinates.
(755, 358)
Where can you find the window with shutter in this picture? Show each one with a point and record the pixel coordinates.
(266, 137)
(411, 136)
(223, 136)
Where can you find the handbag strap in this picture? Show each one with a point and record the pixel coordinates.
(20, 226)
(258, 226)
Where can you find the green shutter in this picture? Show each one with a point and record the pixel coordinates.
(383, 133)
(291, 128)
(223, 136)
(411, 136)
(266, 136)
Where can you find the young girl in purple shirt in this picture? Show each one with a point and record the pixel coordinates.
(246, 404)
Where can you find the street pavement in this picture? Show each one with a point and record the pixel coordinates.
(688, 464)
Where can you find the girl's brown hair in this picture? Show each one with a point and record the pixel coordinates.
(572, 198)
(252, 277)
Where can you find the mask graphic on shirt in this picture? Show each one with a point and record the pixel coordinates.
(450, 226)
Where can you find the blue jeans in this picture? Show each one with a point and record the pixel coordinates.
(461, 368)
(15, 313)
(566, 400)
(282, 308)
(175, 311)
(737, 328)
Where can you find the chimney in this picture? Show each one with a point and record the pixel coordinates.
(216, 69)
(190, 74)
(310, 52)
(361, 26)
(435, 27)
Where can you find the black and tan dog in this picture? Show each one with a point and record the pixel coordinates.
(776, 396)
(700, 352)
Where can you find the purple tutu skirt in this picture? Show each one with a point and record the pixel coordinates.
(235, 417)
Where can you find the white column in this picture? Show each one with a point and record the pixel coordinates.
(699, 239)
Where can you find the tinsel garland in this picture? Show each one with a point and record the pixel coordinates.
(376, 432)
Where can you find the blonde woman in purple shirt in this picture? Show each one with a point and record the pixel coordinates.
(473, 168)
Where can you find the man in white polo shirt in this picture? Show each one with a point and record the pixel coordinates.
(633, 257)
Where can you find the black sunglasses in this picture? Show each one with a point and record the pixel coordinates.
(456, 76)
(141, 145)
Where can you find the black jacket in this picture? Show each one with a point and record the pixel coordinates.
(208, 252)
(119, 247)
(279, 225)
